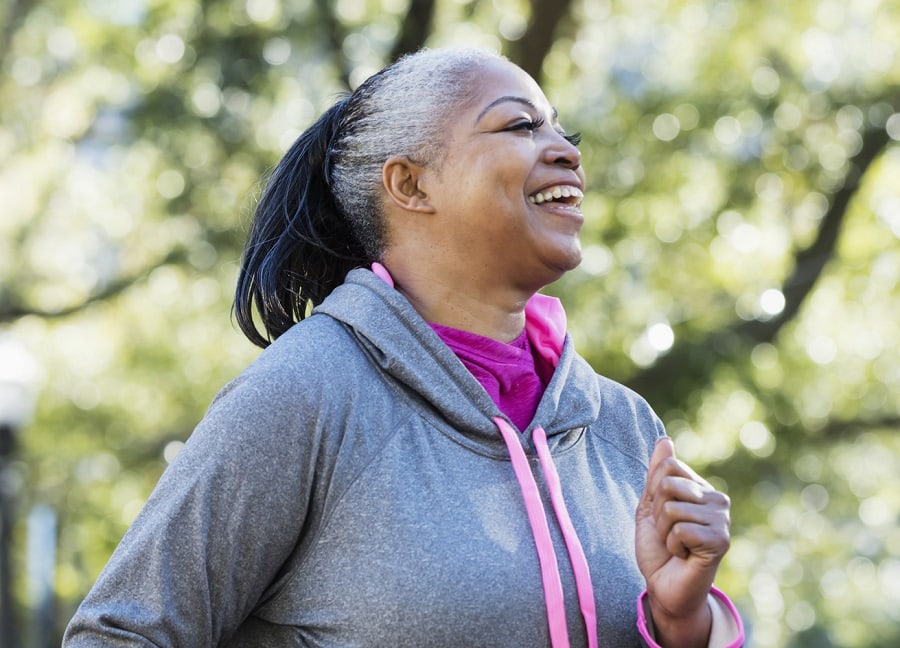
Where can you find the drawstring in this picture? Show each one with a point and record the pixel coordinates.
(545, 322)
(556, 615)
(553, 594)
(573, 545)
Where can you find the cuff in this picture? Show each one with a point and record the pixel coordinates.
(727, 628)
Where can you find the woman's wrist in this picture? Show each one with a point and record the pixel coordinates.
(662, 629)
(683, 631)
(726, 631)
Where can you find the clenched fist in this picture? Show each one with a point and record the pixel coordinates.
(683, 530)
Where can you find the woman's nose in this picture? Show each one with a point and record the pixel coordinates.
(562, 152)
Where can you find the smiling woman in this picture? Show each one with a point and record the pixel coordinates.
(419, 456)
(468, 239)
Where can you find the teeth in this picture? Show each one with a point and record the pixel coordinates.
(555, 193)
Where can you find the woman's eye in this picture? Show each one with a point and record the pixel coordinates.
(530, 125)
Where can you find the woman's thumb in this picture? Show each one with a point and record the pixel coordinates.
(664, 449)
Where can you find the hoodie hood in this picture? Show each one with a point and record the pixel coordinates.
(402, 344)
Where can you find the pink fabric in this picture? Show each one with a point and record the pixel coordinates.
(506, 371)
(383, 273)
(545, 323)
(736, 642)
(583, 585)
(553, 594)
(515, 374)
(537, 517)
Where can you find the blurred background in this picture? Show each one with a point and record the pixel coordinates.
(741, 267)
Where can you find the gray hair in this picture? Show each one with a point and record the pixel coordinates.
(400, 111)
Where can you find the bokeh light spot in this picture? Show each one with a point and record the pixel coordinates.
(666, 127)
(772, 302)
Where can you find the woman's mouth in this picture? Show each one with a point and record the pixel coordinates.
(565, 194)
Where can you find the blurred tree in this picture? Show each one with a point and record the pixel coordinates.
(741, 261)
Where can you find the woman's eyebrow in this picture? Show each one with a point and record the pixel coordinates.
(521, 100)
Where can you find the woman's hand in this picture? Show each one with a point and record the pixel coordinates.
(682, 533)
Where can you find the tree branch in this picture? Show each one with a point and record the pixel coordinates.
(15, 14)
(530, 51)
(11, 309)
(693, 362)
(335, 34)
(415, 29)
(741, 468)
(809, 263)
(843, 430)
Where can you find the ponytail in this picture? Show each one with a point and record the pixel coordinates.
(300, 245)
(321, 213)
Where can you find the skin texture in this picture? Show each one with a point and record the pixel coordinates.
(468, 249)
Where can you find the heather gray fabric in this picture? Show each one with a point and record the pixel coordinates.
(350, 488)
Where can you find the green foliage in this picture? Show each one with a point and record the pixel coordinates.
(741, 256)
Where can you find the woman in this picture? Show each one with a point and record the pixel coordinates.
(422, 460)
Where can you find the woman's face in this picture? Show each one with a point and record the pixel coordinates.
(508, 187)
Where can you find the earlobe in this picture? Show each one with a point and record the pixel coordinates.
(402, 183)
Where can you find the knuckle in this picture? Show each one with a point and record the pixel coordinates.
(668, 509)
(719, 499)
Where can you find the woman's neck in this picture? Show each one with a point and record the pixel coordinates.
(489, 312)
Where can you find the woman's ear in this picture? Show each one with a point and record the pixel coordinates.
(402, 183)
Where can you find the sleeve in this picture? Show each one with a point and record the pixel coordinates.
(214, 534)
(727, 628)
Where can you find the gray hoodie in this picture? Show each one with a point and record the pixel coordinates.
(351, 488)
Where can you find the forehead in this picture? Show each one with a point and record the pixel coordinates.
(500, 83)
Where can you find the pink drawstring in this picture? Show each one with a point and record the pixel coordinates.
(383, 273)
(576, 553)
(553, 594)
(547, 328)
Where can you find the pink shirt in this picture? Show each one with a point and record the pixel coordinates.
(515, 374)
(507, 371)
